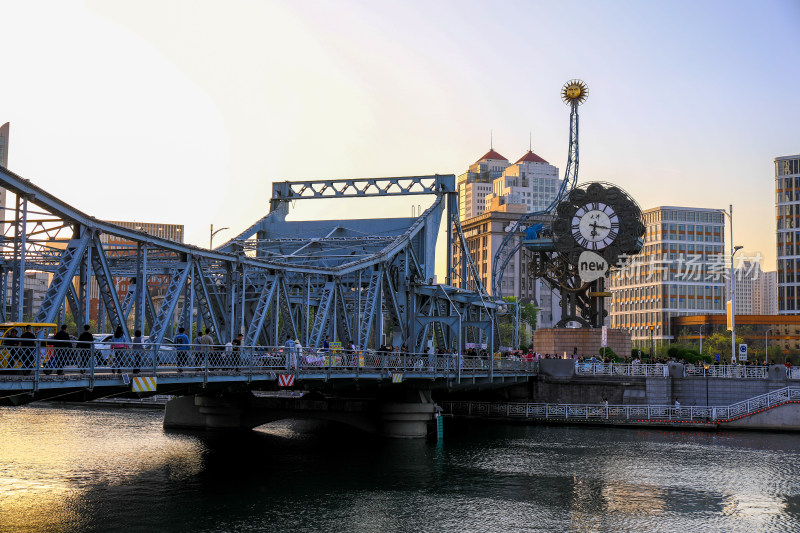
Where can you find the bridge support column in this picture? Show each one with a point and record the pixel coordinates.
(206, 412)
(405, 420)
(405, 417)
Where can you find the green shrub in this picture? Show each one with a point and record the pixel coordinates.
(607, 352)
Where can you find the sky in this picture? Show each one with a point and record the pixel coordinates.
(187, 111)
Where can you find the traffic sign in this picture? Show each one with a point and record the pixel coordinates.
(144, 384)
(286, 380)
(742, 352)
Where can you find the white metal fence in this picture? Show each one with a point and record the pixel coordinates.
(630, 413)
(660, 369)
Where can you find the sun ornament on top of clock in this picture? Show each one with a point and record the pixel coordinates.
(574, 91)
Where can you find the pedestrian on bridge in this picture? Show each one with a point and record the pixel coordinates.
(61, 346)
(11, 343)
(291, 356)
(118, 348)
(182, 346)
(206, 341)
(84, 346)
(138, 348)
(237, 350)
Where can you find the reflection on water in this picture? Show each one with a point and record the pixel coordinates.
(104, 469)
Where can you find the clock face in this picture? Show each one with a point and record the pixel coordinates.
(595, 226)
(604, 220)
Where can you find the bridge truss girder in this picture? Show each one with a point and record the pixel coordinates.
(369, 281)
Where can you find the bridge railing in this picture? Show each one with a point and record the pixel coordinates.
(660, 369)
(104, 358)
(639, 413)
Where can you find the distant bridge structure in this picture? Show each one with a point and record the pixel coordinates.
(348, 280)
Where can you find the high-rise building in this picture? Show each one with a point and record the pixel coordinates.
(787, 214)
(4, 145)
(476, 183)
(756, 290)
(4, 129)
(493, 195)
(680, 271)
(531, 181)
(765, 300)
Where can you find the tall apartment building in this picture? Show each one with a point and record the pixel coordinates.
(765, 299)
(493, 195)
(484, 234)
(531, 181)
(476, 183)
(756, 290)
(4, 130)
(680, 271)
(787, 215)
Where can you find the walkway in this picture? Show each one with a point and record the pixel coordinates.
(32, 369)
(625, 414)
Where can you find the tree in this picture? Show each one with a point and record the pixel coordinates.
(720, 343)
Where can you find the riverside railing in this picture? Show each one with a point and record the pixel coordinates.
(42, 358)
(662, 370)
(629, 413)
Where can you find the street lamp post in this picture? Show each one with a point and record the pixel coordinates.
(734, 249)
(701, 340)
(652, 346)
(766, 346)
(211, 239)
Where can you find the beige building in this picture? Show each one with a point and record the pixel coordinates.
(756, 290)
(680, 271)
(476, 183)
(493, 195)
(765, 299)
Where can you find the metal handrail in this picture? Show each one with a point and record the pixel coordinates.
(101, 359)
(640, 413)
(689, 370)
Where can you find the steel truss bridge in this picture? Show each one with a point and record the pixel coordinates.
(309, 280)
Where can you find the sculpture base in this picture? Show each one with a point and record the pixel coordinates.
(561, 341)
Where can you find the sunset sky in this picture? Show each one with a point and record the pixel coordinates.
(186, 112)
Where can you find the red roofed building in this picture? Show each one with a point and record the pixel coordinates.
(491, 154)
(493, 194)
(530, 157)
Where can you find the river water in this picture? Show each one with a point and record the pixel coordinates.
(102, 469)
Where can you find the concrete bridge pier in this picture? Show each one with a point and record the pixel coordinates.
(407, 416)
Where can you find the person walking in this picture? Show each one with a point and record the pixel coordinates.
(205, 343)
(182, 347)
(237, 350)
(118, 348)
(84, 346)
(61, 345)
(11, 344)
(137, 347)
(291, 356)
